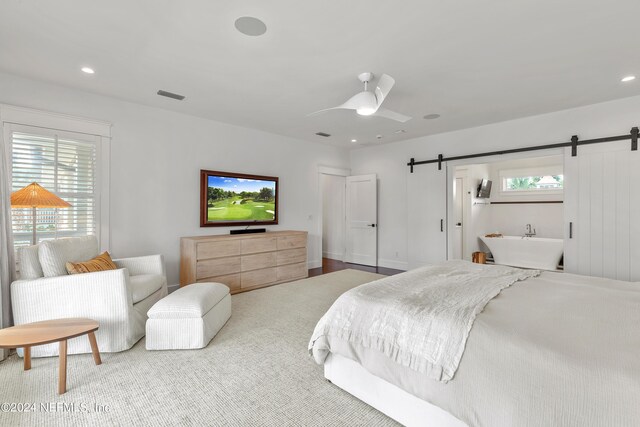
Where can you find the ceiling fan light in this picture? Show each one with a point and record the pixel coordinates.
(366, 111)
(366, 103)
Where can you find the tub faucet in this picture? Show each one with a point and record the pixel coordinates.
(530, 231)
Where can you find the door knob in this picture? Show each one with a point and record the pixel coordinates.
(459, 224)
(372, 225)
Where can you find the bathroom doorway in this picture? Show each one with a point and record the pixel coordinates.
(517, 200)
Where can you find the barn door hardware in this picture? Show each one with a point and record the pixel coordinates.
(574, 143)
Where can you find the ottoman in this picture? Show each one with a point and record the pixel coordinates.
(189, 317)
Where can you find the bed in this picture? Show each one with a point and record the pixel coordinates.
(541, 349)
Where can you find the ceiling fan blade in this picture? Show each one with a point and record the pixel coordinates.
(385, 83)
(383, 112)
(352, 103)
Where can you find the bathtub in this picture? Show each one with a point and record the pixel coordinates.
(527, 252)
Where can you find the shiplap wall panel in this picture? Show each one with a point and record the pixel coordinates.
(609, 209)
(596, 206)
(634, 220)
(622, 216)
(583, 220)
(571, 189)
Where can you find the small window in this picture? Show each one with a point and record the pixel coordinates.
(547, 179)
(533, 183)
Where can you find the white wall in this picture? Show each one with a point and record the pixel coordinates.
(156, 156)
(333, 220)
(510, 220)
(389, 160)
(547, 218)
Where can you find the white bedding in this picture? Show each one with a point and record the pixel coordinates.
(420, 319)
(553, 350)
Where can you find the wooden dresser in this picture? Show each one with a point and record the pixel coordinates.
(246, 261)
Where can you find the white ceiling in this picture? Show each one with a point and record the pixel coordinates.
(474, 62)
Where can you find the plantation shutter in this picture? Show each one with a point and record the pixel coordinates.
(64, 163)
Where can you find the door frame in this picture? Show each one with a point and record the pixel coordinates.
(325, 170)
(461, 174)
(347, 218)
(450, 170)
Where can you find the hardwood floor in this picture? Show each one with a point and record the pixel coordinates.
(331, 265)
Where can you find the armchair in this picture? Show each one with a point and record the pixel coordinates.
(117, 299)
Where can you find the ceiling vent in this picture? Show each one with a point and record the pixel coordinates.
(171, 95)
(326, 135)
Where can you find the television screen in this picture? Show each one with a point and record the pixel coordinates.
(484, 189)
(228, 199)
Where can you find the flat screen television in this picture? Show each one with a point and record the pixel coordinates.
(484, 189)
(228, 199)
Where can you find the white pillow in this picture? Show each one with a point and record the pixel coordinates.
(28, 263)
(54, 254)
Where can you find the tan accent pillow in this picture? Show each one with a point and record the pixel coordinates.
(100, 263)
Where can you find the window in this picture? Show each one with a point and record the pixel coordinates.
(533, 183)
(64, 163)
(547, 180)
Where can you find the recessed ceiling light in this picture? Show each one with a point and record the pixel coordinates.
(431, 116)
(250, 26)
(354, 140)
(628, 78)
(87, 70)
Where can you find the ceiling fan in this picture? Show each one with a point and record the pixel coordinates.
(368, 103)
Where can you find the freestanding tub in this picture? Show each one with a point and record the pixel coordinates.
(527, 252)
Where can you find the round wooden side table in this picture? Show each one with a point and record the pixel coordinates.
(58, 330)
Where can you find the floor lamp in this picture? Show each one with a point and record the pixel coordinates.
(34, 196)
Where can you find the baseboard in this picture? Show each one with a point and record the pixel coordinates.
(395, 264)
(314, 264)
(172, 288)
(333, 255)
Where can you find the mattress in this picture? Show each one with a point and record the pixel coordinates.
(555, 350)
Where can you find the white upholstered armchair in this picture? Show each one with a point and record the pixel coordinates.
(117, 299)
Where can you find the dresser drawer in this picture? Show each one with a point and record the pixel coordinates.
(217, 267)
(206, 250)
(255, 245)
(292, 256)
(293, 241)
(292, 271)
(258, 261)
(265, 276)
(231, 280)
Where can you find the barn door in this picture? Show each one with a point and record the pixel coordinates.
(427, 215)
(602, 233)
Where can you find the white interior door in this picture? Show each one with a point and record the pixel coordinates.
(362, 220)
(427, 214)
(602, 237)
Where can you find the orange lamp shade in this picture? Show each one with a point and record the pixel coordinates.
(34, 196)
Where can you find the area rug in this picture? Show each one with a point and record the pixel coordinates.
(255, 372)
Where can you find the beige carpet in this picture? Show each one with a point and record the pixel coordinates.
(256, 371)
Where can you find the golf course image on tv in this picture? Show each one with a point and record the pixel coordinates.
(236, 199)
